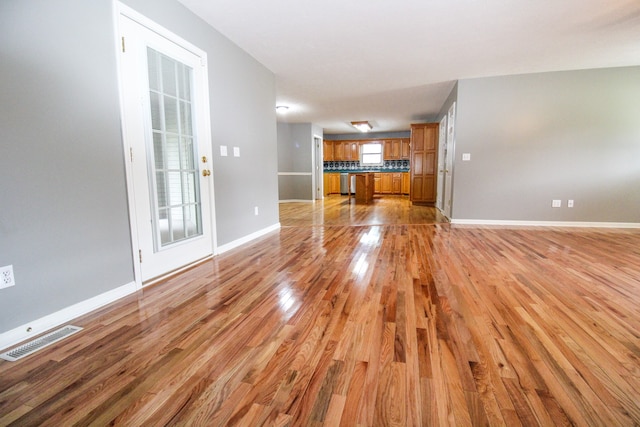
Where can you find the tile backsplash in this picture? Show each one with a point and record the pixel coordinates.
(355, 165)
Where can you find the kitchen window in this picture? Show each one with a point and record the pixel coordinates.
(371, 154)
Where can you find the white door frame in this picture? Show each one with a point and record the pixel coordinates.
(119, 10)
(318, 166)
(449, 164)
(442, 158)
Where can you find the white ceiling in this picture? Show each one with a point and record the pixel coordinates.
(394, 62)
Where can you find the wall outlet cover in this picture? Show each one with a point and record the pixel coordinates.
(6, 276)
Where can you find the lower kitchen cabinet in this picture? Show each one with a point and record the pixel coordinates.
(406, 183)
(385, 183)
(390, 182)
(377, 184)
(331, 183)
(396, 183)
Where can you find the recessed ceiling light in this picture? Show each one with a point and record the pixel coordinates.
(281, 108)
(362, 126)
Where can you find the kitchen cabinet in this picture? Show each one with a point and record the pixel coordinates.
(396, 183)
(397, 149)
(331, 183)
(387, 182)
(392, 149)
(327, 151)
(338, 150)
(325, 184)
(405, 149)
(346, 150)
(424, 146)
(405, 183)
(351, 150)
(364, 187)
(377, 182)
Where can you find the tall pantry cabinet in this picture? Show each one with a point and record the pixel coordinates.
(424, 158)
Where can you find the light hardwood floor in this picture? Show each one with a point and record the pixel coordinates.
(397, 323)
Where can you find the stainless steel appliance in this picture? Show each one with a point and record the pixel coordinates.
(344, 184)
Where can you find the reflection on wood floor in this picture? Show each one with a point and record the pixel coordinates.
(342, 210)
(397, 324)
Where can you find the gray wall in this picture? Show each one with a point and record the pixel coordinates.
(294, 187)
(295, 154)
(538, 137)
(63, 219)
(295, 144)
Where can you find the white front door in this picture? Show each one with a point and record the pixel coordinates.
(167, 139)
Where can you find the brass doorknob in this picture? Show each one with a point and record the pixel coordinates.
(206, 172)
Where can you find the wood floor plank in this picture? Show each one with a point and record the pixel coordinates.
(375, 315)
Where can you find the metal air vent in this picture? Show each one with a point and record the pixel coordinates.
(38, 343)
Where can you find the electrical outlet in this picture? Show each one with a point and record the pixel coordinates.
(569, 203)
(556, 203)
(6, 276)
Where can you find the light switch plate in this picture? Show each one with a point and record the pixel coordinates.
(466, 157)
(223, 150)
(236, 151)
(556, 203)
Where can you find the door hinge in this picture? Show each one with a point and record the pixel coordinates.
(140, 254)
(123, 50)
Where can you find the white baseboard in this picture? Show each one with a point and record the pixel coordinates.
(38, 326)
(241, 241)
(546, 223)
(296, 200)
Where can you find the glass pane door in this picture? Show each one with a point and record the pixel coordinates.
(173, 165)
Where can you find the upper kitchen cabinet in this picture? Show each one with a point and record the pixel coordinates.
(397, 149)
(352, 150)
(345, 150)
(392, 149)
(424, 145)
(338, 150)
(327, 151)
(405, 149)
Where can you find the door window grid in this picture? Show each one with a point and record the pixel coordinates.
(174, 179)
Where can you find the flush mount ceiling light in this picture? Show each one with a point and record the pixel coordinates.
(281, 109)
(362, 126)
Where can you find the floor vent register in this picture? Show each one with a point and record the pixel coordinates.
(39, 343)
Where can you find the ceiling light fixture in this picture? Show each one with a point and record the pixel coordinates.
(362, 126)
(281, 108)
